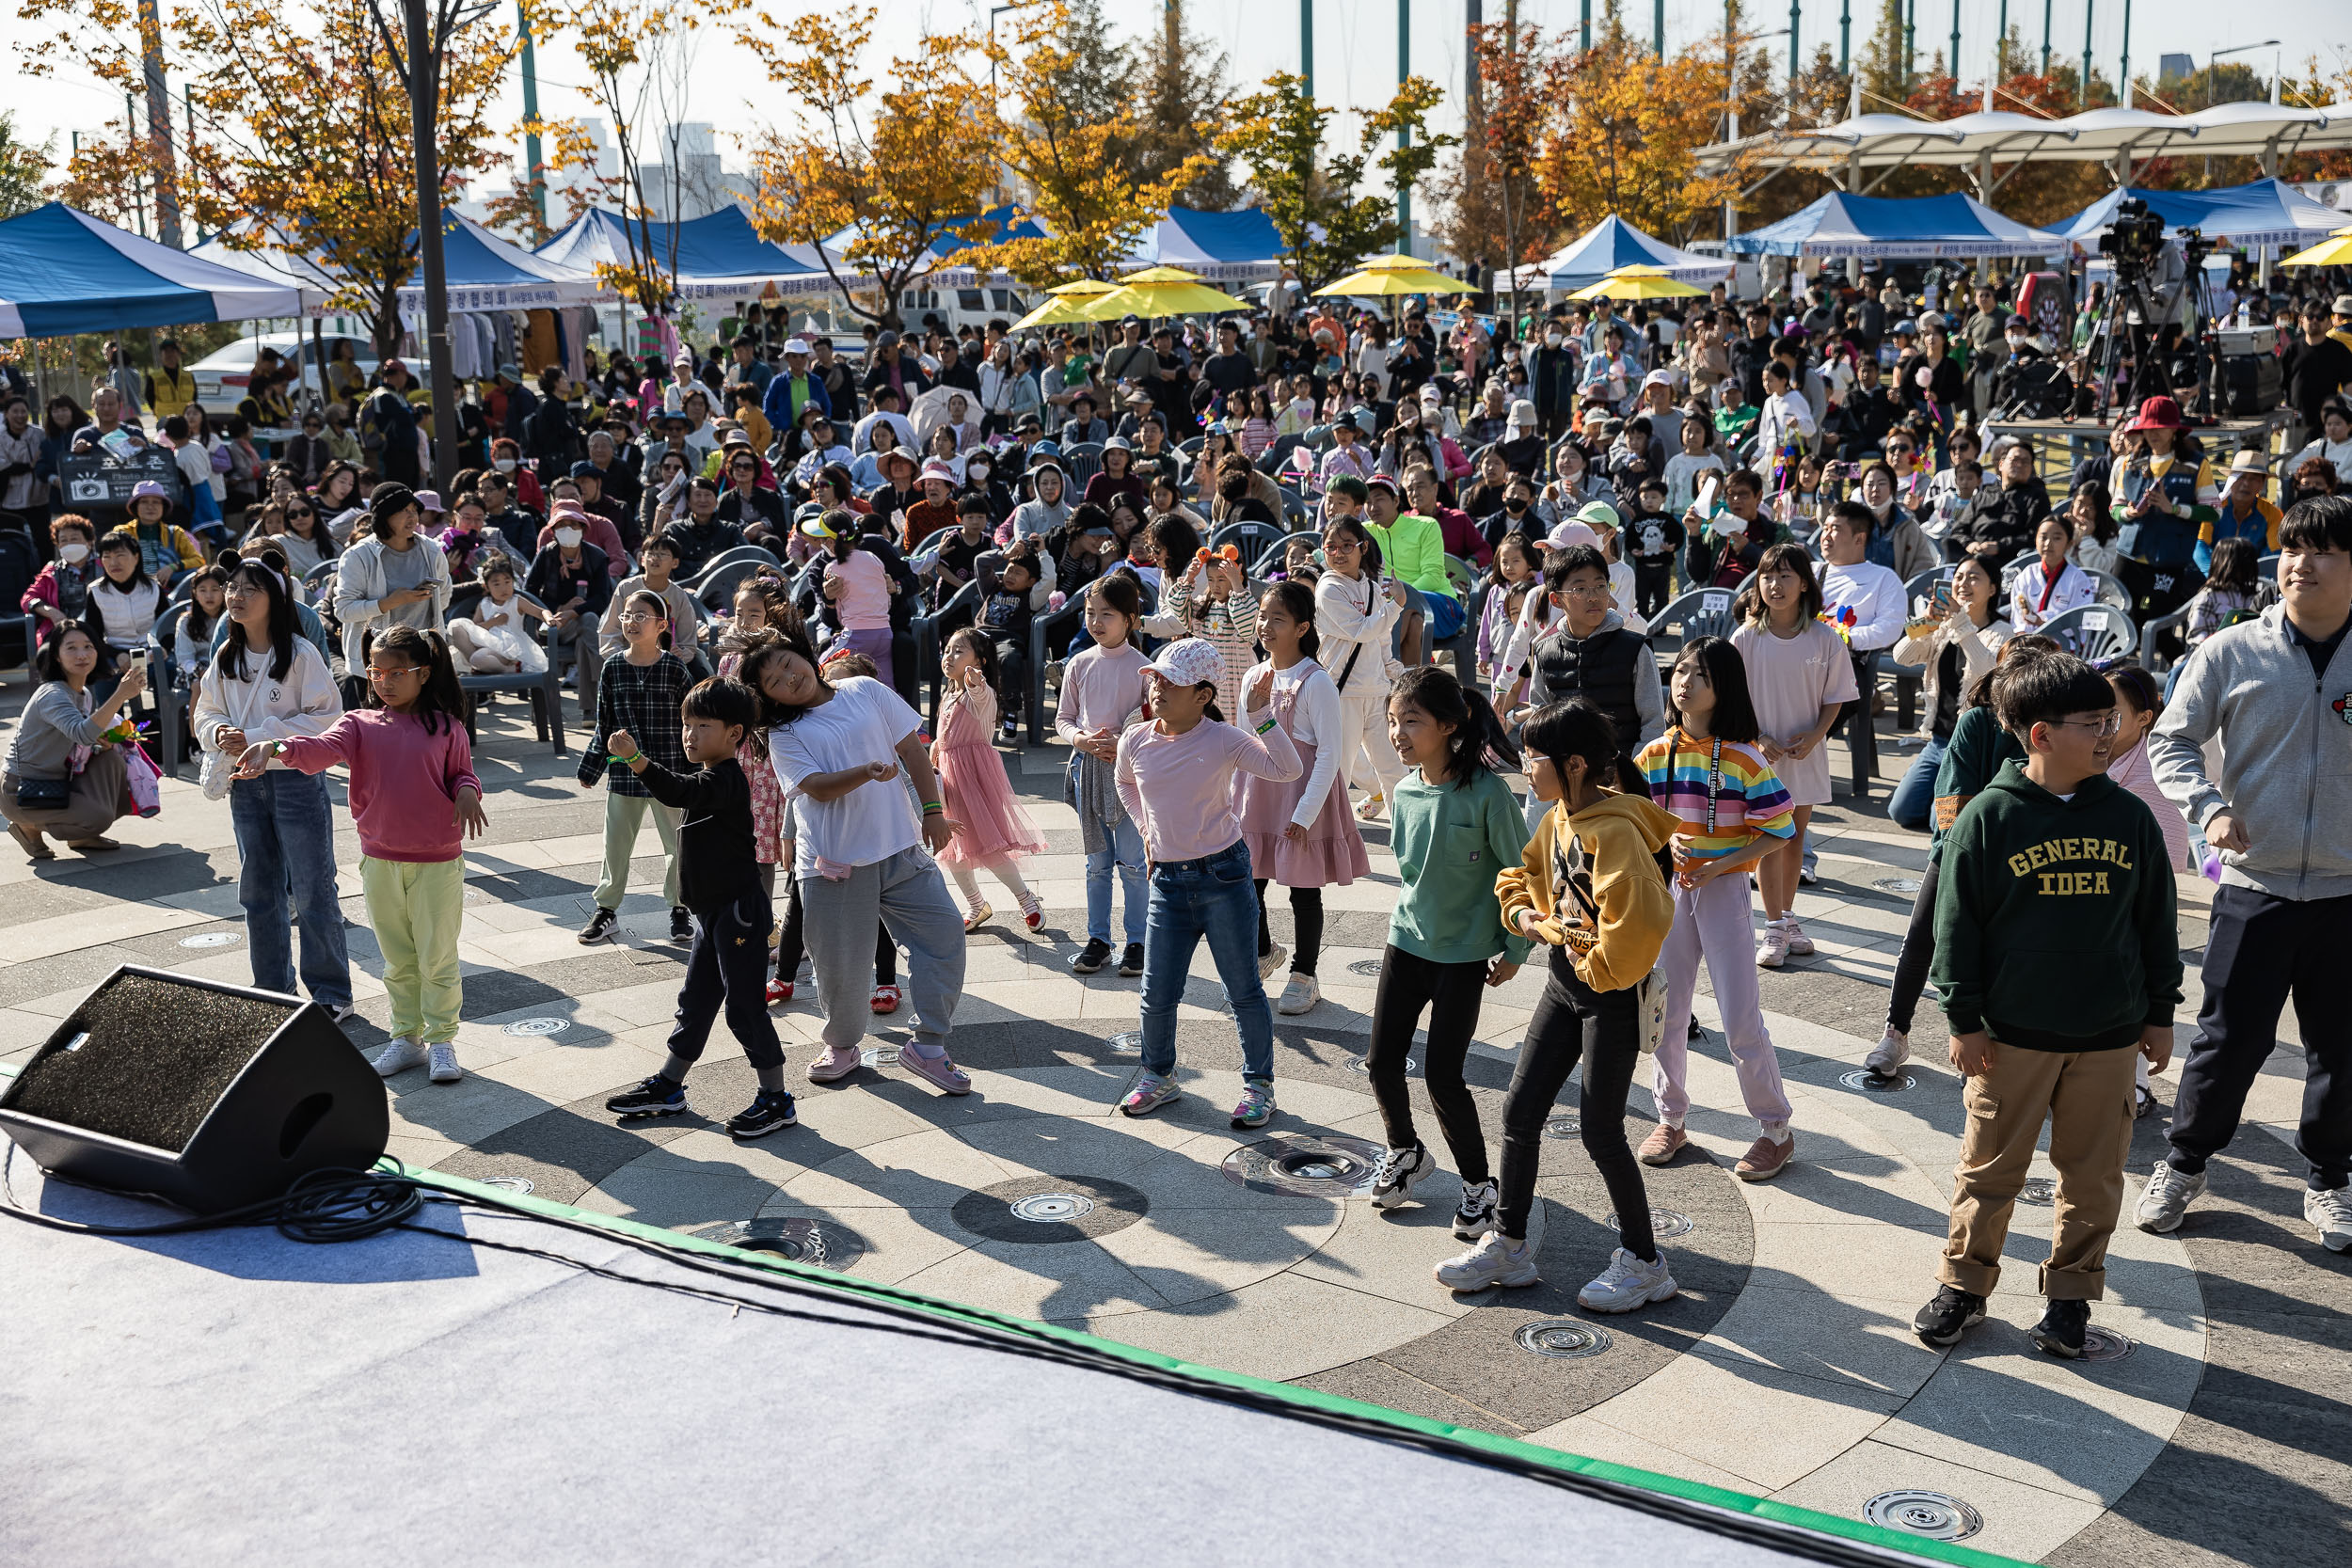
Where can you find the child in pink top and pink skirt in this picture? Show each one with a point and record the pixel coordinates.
(993, 831)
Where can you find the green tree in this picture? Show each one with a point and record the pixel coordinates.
(23, 168)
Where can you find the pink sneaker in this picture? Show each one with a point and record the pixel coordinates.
(940, 1072)
(838, 1063)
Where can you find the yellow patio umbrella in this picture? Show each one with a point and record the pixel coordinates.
(1396, 275)
(1636, 282)
(1065, 303)
(2333, 251)
(1161, 291)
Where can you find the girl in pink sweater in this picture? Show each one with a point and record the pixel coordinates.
(415, 799)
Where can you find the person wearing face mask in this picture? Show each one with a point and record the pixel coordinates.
(574, 579)
(1551, 375)
(979, 479)
(59, 595)
(1897, 542)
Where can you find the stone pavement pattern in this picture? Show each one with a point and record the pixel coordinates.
(1786, 1368)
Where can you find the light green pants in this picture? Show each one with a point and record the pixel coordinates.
(417, 907)
(623, 816)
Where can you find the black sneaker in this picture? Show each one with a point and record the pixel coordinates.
(768, 1110)
(1475, 1214)
(1131, 961)
(1096, 955)
(1951, 1314)
(681, 925)
(2061, 1329)
(655, 1097)
(599, 925)
(1398, 1172)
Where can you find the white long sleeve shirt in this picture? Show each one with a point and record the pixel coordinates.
(1876, 596)
(1352, 614)
(305, 702)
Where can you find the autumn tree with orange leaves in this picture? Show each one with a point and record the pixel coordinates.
(890, 171)
(302, 130)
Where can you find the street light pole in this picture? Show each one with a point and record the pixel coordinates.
(1404, 132)
(424, 96)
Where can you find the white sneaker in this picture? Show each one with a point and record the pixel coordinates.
(1628, 1283)
(1398, 1172)
(2332, 1211)
(2166, 1198)
(1800, 946)
(1492, 1262)
(1887, 1057)
(1300, 997)
(399, 1056)
(1270, 962)
(1771, 949)
(445, 1068)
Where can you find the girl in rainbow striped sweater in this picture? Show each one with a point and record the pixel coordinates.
(1733, 810)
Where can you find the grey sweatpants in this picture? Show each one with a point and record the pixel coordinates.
(910, 899)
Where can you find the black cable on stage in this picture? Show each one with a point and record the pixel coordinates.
(329, 1206)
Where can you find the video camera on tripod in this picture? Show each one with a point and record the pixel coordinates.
(2134, 239)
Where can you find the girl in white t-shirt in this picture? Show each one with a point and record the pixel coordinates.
(859, 853)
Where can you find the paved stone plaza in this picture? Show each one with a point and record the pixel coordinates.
(1786, 1368)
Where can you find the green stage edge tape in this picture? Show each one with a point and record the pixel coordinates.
(1531, 1453)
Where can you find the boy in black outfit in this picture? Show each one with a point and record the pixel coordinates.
(718, 878)
(2059, 959)
(1650, 539)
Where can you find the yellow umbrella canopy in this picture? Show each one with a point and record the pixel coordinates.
(1636, 282)
(1065, 303)
(1161, 291)
(1378, 279)
(2333, 251)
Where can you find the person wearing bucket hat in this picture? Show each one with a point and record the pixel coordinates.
(935, 512)
(1175, 778)
(2245, 511)
(166, 549)
(2164, 496)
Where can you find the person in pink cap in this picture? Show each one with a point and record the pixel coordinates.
(936, 512)
(1175, 777)
(570, 524)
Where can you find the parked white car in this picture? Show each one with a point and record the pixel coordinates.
(221, 376)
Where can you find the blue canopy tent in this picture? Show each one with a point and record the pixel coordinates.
(63, 272)
(719, 255)
(2263, 214)
(1222, 248)
(1895, 228)
(951, 235)
(487, 272)
(1611, 243)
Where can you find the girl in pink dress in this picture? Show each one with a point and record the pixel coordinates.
(993, 830)
(1301, 834)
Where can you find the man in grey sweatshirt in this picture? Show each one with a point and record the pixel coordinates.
(2277, 693)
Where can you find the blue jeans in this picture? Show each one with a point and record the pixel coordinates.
(286, 846)
(1912, 804)
(1211, 897)
(1127, 852)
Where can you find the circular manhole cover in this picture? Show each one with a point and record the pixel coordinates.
(1041, 1210)
(213, 939)
(1127, 1042)
(819, 1245)
(2041, 1190)
(508, 1184)
(2105, 1344)
(1664, 1224)
(1052, 1208)
(1933, 1515)
(1363, 1065)
(879, 1056)
(1902, 887)
(531, 1027)
(1312, 1165)
(1365, 968)
(1564, 1127)
(1563, 1338)
(1871, 1083)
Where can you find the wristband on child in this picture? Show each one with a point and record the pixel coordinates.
(934, 808)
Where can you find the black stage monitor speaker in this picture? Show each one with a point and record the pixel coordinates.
(208, 1095)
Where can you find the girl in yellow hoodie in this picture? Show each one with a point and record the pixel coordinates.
(1590, 888)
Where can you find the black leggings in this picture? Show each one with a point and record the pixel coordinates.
(790, 950)
(1452, 994)
(1911, 964)
(1306, 926)
(1574, 1021)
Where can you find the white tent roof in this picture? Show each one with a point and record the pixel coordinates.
(1880, 140)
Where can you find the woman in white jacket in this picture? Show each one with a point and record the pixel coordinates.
(395, 576)
(270, 683)
(1355, 614)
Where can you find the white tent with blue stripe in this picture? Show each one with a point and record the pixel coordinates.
(1222, 248)
(63, 272)
(1611, 243)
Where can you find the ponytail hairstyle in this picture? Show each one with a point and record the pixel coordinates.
(1727, 673)
(983, 651)
(199, 626)
(2026, 645)
(284, 629)
(1479, 741)
(775, 591)
(661, 607)
(1299, 602)
(440, 698)
(1123, 595)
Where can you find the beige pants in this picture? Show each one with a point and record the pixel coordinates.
(2086, 1098)
(94, 805)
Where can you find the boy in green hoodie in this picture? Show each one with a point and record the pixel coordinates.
(2056, 955)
